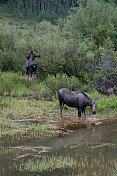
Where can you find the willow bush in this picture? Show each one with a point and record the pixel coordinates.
(105, 77)
(51, 85)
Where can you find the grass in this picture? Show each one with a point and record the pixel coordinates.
(12, 84)
(83, 164)
(48, 163)
(114, 171)
(24, 117)
(107, 106)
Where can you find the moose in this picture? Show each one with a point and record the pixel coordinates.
(76, 100)
(31, 65)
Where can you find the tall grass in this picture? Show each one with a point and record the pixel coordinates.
(47, 163)
(12, 84)
(107, 104)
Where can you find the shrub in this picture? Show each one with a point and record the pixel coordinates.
(105, 78)
(52, 84)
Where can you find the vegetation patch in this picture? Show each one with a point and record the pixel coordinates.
(41, 119)
(51, 85)
(48, 163)
(30, 118)
(11, 84)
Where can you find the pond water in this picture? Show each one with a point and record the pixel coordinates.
(83, 152)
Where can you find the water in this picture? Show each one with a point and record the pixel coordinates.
(82, 152)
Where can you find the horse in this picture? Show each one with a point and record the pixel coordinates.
(76, 100)
(31, 65)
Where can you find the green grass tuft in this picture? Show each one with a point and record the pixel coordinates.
(13, 85)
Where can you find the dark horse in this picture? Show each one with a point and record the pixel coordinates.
(31, 65)
(76, 100)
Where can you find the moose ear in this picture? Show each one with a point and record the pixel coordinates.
(97, 98)
(31, 51)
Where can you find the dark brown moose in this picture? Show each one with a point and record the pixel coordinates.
(76, 100)
(31, 65)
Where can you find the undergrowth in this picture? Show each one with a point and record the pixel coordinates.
(13, 85)
(51, 85)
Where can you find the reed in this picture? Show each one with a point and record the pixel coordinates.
(49, 163)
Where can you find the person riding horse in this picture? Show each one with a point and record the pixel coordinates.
(31, 65)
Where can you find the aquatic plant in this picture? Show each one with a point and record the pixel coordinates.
(48, 163)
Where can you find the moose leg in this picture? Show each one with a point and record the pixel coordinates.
(35, 69)
(34, 75)
(83, 111)
(61, 108)
(31, 71)
(27, 73)
(79, 112)
(31, 76)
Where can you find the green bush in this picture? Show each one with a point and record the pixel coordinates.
(52, 84)
(105, 78)
(13, 84)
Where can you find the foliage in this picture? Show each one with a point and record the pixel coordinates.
(51, 85)
(40, 9)
(30, 114)
(105, 78)
(97, 20)
(13, 84)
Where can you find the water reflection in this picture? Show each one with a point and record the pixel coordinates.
(82, 152)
